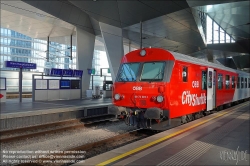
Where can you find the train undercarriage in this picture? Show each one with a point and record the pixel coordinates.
(157, 119)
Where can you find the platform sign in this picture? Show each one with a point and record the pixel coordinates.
(67, 73)
(77, 73)
(22, 65)
(56, 72)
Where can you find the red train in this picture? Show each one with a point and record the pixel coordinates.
(155, 88)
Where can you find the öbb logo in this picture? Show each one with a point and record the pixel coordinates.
(195, 84)
(137, 88)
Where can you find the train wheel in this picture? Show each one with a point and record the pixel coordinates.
(184, 119)
(126, 120)
(197, 115)
(189, 117)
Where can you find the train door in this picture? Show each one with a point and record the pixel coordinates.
(210, 89)
(214, 88)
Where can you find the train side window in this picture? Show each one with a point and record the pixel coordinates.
(242, 82)
(238, 83)
(233, 82)
(227, 81)
(204, 80)
(184, 74)
(210, 75)
(245, 82)
(220, 81)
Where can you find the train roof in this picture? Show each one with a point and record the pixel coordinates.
(194, 60)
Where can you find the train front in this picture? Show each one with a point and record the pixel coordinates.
(141, 87)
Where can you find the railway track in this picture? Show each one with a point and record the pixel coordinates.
(91, 149)
(51, 128)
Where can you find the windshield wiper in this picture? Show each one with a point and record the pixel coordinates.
(129, 70)
(161, 72)
(122, 79)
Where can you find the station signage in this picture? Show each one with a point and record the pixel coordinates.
(22, 65)
(77, 73)
(66, 72)
(56, 72)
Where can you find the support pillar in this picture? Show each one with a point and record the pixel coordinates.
(113, 42)
(85, 50)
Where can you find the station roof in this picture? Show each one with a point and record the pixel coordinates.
(173, 25)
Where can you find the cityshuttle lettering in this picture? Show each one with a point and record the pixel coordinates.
(193, 99)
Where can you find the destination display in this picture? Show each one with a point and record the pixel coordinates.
(54, 84)
(64, 84)
(41, 84)
(22, 65)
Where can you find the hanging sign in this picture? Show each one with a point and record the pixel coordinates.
(22, 65)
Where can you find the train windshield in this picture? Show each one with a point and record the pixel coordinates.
(128, 72)
(153, 71)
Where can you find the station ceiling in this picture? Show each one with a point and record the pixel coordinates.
(172, 25)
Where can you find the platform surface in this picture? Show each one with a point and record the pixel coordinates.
(221, 138)
(14, 106)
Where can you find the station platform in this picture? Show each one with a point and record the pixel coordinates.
(15, 114)
(221, 138)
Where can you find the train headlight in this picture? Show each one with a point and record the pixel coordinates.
(117, 97)
(143, 52)
(159, 99)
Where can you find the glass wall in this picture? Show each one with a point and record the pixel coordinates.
(216, 34)
(18, 47)
(21, 48)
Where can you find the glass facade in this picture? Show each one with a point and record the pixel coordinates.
(216, 34)
(21, 48)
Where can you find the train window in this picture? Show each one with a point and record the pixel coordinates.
(233, 82)
(210, 75)
(128, 72)
(220, 81)
(227, 81)
(242, 82)
(184, 74)
(238, 83)
(248, 82)
(153, 71)
(245, 82)
(204, 80)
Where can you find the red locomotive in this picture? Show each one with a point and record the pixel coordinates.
(156, 87)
